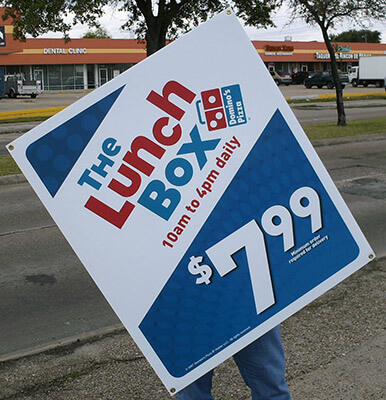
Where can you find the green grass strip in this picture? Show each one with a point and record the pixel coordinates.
(353, 128)
(8, 166)
(23, 119)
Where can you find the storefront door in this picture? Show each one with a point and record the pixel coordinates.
(103, 77)
(38, 76)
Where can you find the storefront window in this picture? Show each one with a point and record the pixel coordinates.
(26, 71)
(90, 76)
(68, 77)
(65, 77)
(79, 77)
(54, 77)
(13, 69)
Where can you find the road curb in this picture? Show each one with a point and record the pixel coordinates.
(70, 340)
(19, 127)
(348, 139)
(12, 179)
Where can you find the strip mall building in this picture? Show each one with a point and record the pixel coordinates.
(89, 63)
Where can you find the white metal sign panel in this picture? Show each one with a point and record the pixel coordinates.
(194, 199)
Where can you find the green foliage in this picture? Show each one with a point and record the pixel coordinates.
(41, 16)
(165, 20)
(97, 33)
(352, 35)
(330, 13)
(256, 13)
(171, 18)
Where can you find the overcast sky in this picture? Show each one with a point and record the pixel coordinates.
(298, 30)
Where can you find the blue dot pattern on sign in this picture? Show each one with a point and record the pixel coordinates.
(54, 154)
(188, 323)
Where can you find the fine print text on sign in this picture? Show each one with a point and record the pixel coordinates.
(194, 199)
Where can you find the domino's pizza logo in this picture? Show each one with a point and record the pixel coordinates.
(222, 108)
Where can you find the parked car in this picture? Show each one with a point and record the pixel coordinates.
(281, 77)
(300, 76)
(73, 82)
(17, 85)
(321, 79)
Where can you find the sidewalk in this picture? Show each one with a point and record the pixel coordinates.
(334, 348)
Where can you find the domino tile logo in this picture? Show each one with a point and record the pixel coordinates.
(222, 108)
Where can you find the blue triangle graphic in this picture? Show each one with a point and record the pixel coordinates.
(54, 154)
(188, 323)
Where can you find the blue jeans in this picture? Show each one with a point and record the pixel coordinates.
(261, 364)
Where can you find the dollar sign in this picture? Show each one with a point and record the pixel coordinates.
(195, 268)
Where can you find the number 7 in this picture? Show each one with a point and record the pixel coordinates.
(251, 238)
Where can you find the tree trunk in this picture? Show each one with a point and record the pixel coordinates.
(335, 76)
(156, 26)
(155, 37)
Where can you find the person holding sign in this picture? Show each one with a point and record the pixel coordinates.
(262, 366)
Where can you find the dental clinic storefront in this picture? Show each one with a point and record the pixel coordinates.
(78, 64)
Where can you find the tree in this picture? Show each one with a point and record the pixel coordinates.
(327, 14)
(155, 23)
(98, 33)
(41, 16)
(152, 21)
(170, 18)
(256, 13)
(363, 35)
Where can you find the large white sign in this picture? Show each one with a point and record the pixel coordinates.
(194, 199)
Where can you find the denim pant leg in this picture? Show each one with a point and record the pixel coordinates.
(262, 367)
(198, 390)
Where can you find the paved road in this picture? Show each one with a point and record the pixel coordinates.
(359, 171)
(318, 113)
(45, 100)
(45, 293)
